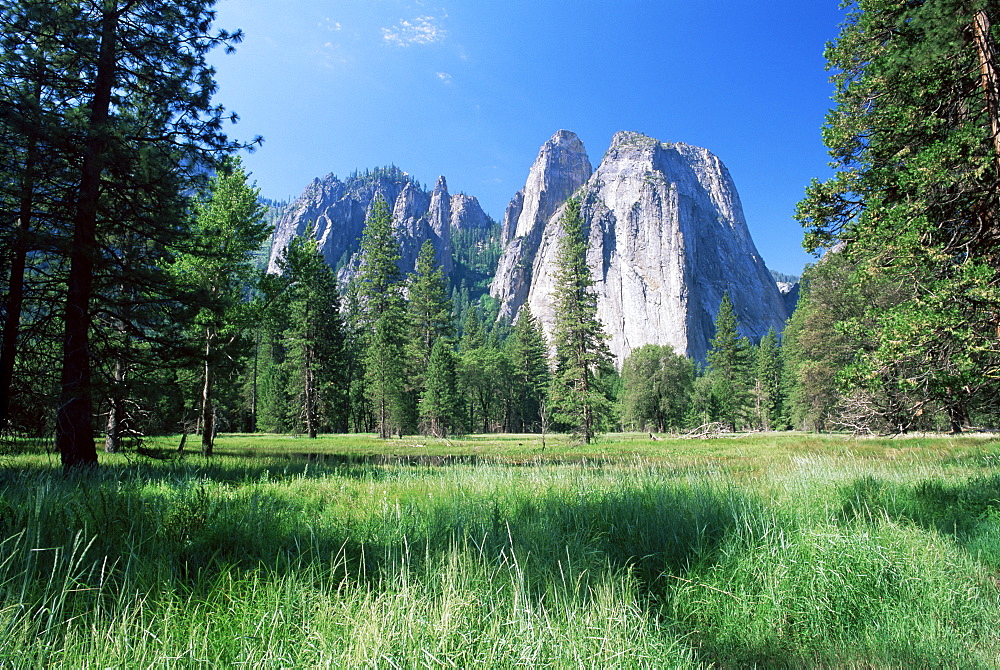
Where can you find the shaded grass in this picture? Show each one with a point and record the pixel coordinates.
(774, 551)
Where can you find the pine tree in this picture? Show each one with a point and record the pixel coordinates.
(131, 126)
(273, 405)
(440, 412)
(915, 205)
(314, 340)
(529, 360)
(583, 360)
(767, 392)
(429, 309)
(728, 367)
(383, 321)
(429, 318)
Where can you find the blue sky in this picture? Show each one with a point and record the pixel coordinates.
(471, 89)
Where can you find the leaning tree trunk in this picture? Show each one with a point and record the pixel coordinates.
(207, 400)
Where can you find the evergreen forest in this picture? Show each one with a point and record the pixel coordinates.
(204, 463)
(135, 302)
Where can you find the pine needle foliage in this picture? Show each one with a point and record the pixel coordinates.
(583, 359)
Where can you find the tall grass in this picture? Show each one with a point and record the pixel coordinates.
(818, 558)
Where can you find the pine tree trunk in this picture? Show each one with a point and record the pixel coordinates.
(253, 390)
(310, 393)
(15, 292)
(112, 439)
(207, 407)
(988, 77)
(74, 419)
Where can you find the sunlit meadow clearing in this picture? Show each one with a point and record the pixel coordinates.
(346, 551)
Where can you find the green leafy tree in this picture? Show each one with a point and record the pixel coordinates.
(815, 349)
(915, 138)
(658, 384)
(728, 364)
(229, 227)
(583, 360)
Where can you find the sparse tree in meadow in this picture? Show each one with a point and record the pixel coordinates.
(728, 367)
(228, 227)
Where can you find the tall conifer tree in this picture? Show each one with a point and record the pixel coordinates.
(530, 363)
(583, 360)
(314, 341)
(440, 412)
(728, 362)
(383, 320)
(133, 103)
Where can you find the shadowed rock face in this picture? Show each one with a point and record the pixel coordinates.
(337, 211)
(667, 239)
(562, 167)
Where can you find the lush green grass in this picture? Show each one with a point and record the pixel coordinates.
(345, 551)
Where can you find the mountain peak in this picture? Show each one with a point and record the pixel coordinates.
(562, 166)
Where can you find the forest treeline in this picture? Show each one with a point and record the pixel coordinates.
(133, 302)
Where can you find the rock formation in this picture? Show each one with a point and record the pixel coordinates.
(337, 211)
(790, 294)
(561, 168)
(667, 239)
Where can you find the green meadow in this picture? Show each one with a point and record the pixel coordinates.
(774, 550)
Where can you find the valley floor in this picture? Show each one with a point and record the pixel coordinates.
(776, 550)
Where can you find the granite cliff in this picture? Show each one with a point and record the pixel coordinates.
(667, 239)
(336, 210)
(560, 169)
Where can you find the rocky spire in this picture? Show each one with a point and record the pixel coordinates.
(439, 218)
(560, 169)
(667, 239)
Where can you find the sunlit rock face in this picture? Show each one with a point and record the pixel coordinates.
(561, 168)
(667, 238)
(336, 210)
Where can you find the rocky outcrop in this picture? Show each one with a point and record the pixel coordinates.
(790, 294)
(667, 238)
(560, 169)
(336, 210)
(466, 213)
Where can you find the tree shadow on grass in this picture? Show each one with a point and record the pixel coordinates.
(967, 511)
(186, 525)
(182, 531)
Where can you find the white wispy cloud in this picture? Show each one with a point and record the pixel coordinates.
(444, 77)
(421, 30)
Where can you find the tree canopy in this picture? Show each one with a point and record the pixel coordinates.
(915, 138)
